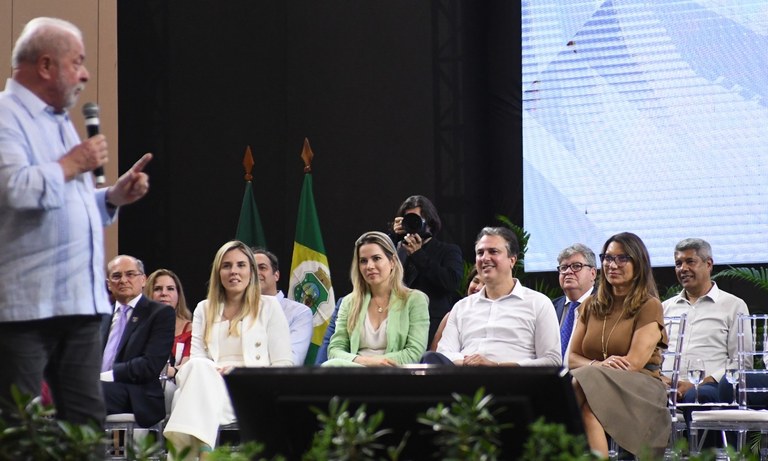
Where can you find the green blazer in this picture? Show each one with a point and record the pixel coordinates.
(407, 329)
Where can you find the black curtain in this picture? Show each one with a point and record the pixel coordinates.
(199, 80)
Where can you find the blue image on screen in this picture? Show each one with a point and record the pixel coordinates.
(649, 117)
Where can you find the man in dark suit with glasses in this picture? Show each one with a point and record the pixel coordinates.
(138, 339)
(577, 270)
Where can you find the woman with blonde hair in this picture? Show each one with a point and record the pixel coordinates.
(164, 286)
(615, 353)
(382, 322)
(234, 326)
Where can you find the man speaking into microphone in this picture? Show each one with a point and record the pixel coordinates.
(52, 282)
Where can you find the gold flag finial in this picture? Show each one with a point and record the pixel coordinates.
(248, 163)
(306, 155)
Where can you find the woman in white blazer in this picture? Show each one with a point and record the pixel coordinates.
(234, 326)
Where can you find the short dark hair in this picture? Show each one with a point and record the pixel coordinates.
(428, 211)
(271, 256)
(513, 247)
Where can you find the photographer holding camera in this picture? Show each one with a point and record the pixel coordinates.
(431, 266)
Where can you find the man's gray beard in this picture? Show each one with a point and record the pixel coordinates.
(72, 96)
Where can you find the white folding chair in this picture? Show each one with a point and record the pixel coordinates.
(752, 343)
(675, 325)
(126, 423)
(670, 367)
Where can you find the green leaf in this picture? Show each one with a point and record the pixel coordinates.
(756, 276)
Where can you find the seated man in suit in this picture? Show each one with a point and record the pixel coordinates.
(138, 339)
(577, 267)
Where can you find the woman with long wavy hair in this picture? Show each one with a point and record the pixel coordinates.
(233, 327)
(615, 353)
(382, 322)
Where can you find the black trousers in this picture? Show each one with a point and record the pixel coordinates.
(435, 358)
(66, 352)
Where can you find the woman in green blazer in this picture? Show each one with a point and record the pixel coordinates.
(382, 322)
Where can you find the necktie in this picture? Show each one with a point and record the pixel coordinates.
(110, 351)
(567, 327)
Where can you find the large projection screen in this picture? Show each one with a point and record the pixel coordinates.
(649, 117)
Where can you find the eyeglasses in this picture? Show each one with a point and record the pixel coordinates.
(575, 267)
(620, 260)
(130, 275)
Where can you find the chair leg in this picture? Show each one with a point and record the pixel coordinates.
(129, 442)
(160, 438)
(741, 440)
(613, 450)
(693, 441)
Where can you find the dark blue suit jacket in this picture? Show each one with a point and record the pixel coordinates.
(559, 304)
(142, 353)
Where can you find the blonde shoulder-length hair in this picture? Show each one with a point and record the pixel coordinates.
(181, 308)
(249, 303)
(360, 287)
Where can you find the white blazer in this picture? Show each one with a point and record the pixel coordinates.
(266, 341)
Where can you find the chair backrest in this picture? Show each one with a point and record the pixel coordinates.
(751, 347)
(672, 358)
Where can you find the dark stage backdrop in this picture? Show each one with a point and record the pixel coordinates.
(396, 97)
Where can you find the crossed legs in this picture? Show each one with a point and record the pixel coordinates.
(596, 438)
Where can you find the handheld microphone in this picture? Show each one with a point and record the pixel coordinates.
(91, 114)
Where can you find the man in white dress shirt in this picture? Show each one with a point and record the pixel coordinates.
(504, 324)
(712, 323)
(299, 316)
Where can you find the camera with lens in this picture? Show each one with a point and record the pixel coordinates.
(415, 224)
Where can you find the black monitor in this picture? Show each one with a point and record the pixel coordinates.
(273, 405)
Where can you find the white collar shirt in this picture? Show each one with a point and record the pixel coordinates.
(299, 319)
(711, 329)
(520, 327)
(49, 227)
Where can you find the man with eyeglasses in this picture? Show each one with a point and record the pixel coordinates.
(51, 226)
(712, 323)
(137, 344)
(577, 270)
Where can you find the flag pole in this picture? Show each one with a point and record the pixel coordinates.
(248, 163)
(310, 281)
(249, 228)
